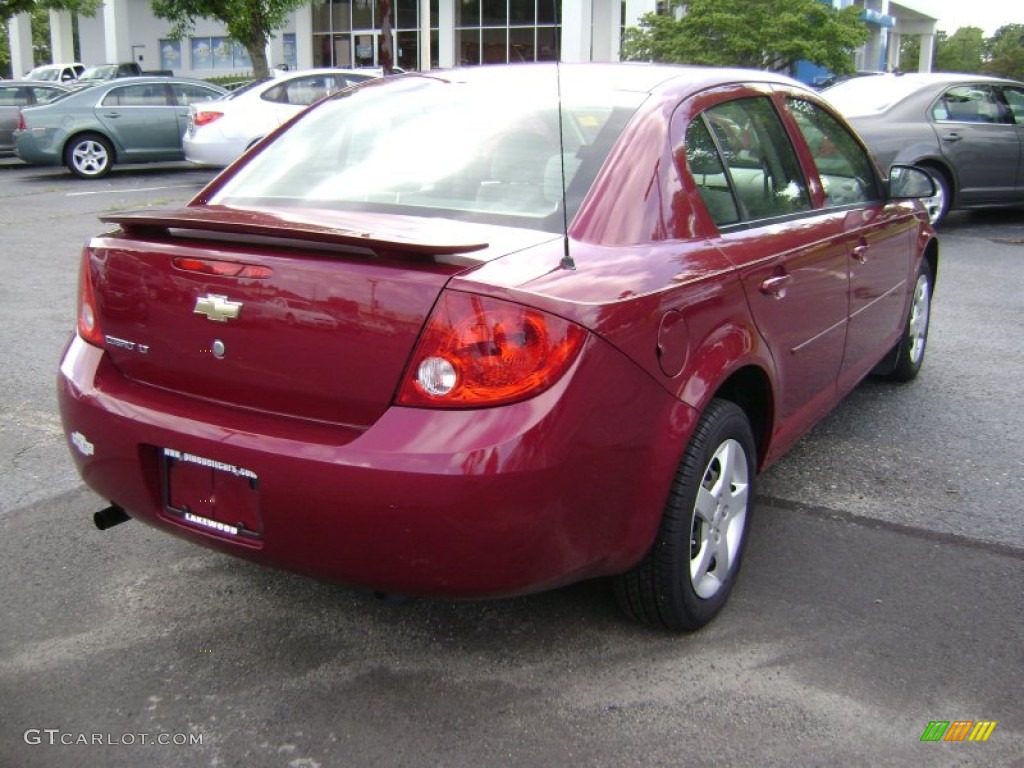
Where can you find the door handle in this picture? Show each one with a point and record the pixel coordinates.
(776, 286)
(860, 252)
(952, 137)
(111, 114)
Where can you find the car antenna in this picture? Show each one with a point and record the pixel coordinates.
(567, 262)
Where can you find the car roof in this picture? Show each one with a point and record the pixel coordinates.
(638, 77)
(38, 84)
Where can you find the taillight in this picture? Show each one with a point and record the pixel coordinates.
(477, 351)
(22, 125)
(205, 118)
(88, 318)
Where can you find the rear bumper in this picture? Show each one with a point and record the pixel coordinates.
(213, 153)
(477, 503)
(37, 147)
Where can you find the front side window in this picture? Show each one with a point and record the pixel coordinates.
(1015, 100)
(142, 95)
(761, 164)
(843, 165)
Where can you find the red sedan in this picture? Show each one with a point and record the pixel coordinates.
(491, 331)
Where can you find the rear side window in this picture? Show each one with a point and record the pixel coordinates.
(760, 167)
(970, 104)
(13, 96)
(304, 91)
(844, 167)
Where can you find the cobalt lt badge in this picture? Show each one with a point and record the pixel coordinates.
(220, 309)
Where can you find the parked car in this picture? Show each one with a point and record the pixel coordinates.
(133, 120)
(578, 309)
(101, 73)
(966, 131)
(60, 73)
(218, 133)
(15, 94)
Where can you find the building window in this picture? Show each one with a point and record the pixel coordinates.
(346, 33)
(170, 54)
(291, 57)
(218, 53)
(499, 31)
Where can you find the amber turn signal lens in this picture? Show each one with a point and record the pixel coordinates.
(478, 351)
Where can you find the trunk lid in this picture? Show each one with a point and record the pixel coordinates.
(311, 315)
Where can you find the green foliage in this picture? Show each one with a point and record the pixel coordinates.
(248, 22)
(9, 8)
(1006, 52)
(964, 51)
(764, 34)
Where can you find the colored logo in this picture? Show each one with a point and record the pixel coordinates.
(958, 730)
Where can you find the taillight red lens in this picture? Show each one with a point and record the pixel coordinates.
(478, 351)
(22, 125)
(205, 118)
(88, 317)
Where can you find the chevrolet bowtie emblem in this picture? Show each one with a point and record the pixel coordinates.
(220, 309)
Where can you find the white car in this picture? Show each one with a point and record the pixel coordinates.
(218, 132)
(57, 73)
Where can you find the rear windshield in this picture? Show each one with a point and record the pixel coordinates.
(496, 152)
(863, 96)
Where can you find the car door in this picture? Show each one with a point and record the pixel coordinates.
(977, 135)
(142, 119)
(877, 236)
(792, 260)
(1013, 95)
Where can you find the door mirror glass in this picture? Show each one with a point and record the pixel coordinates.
(906, 182)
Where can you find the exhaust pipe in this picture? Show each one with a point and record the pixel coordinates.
(109, 517)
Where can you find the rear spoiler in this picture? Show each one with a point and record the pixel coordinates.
(376, 232)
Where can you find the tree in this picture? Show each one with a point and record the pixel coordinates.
(764, 34)
(249, 22)
(40, 20)
(1006, 52)
(9, 8)
(963, 52)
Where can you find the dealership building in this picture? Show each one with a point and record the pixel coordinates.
(428, 34)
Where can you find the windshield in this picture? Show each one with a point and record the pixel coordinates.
(478, 149)
(863, 96)
(99, 73)
(44, 73)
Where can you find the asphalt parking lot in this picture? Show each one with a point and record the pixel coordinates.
(882, 589)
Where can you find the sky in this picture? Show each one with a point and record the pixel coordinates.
(987, 14)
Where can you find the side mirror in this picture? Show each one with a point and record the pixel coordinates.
(907, 182)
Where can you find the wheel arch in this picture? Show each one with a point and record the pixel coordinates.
(750, 388)
(941, 166)
(91, 131)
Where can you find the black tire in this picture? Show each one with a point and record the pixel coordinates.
(89, 156)
(938, 205)
(681, 584)
(909, 350)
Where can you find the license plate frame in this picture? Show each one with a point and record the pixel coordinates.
(211, 495)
